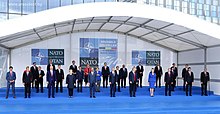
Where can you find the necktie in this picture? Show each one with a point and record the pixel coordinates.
(134, 77)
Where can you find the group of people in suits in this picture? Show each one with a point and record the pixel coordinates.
(188, 79)
(169, 79)
(92, 77)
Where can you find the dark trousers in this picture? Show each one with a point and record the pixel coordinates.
(37, 86)
(51, 87)
(123, 82)
(98, 85)
(79, 86)
(168, 88)
(27, 92)
(184, 85)
(112, 89)
(59, 82)
(189, 88)
(8, 88)
(33, 83)
(173, 85)
(92, 89)
(105, 81)
(70, 91)
(86, 79)
(119, 86)
(204, 89)
(41, 85)
(132, 88)
(140, 78)
(158, 79)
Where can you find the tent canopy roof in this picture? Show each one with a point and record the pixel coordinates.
(164, 27)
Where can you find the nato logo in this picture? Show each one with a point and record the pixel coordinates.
(40, 56)
(89, 48)
(138, 56)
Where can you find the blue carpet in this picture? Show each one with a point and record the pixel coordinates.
(103, 104)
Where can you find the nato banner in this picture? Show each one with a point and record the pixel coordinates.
(96, 51)
(147, 58)
(42, 56)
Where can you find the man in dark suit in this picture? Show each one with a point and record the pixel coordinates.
(41, 78)
(51, 80)
(10, 77)
(175, 74)
(73, 66)
(27, 79)
(59, 78)
(35, 73)
(80, 77)
(204, 79)
(159, 73)
(189, 81)
(123, 74)
(105, 74)
(140, 71)
(51, 64)
(117, 72)
(92, 83)
(112, 81)
(133, 80)
(168, 79)
(184, 72)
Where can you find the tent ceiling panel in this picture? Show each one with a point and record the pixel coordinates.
(17, 35)
(102, 18)
(154, 36)
(120, 18)
(138, 20)
(110, 26)
(20, 41)
(124, 28)
(175, 29)
(80, 26)
(95, 25)
(157, 24)
(63, 29)
(139, 31)
(202, 38)
(176, 44)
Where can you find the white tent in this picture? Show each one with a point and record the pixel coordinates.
(164, 27)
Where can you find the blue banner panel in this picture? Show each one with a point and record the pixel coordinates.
(147, 58)
(42, 56)
(100, 50)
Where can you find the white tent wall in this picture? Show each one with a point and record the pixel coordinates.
(195, 59)
(213, 56)
(21, 57)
